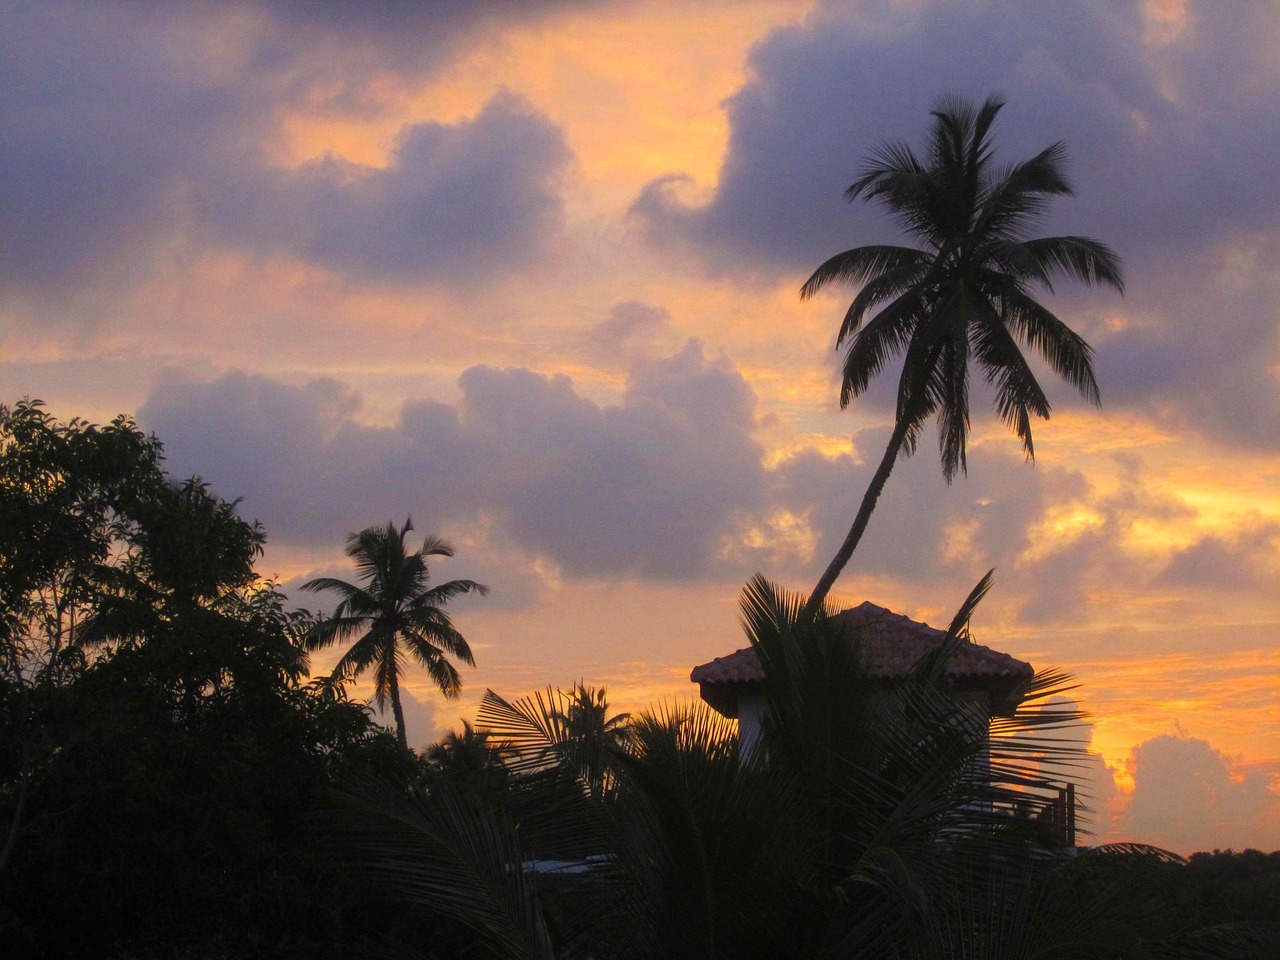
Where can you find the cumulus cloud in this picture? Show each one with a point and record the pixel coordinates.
(632, 330)
(1142, 134)
(645, 487)
(125, 130)
(923, 531)
(457, 201)
(1171, 160)
(1086, 546)
(406, 22)
(1248, 561)
(671, 483)
(106, 117)
(1188, 796)
(1202, 344)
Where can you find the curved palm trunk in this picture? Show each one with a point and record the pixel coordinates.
(869, 499)
(398, 711)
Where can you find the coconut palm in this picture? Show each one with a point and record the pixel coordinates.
(394, 612)
(968, 292)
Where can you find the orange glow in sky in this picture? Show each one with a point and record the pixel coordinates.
(352, 271)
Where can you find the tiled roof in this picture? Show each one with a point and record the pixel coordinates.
(893, 644)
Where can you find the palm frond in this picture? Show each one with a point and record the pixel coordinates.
(861, 264)
(327, 632)
(442, 672)
(1009, 261)
(436, 546)
(454, 857)
(1021, 192)
(357, 659)
(893, 171)
(917, 398)
(949, 383)
(442, 593)
(354, 599)
(532, 726)
(1066, 352)
(893, 285)
(386, 671)
(1227, 941)
(959, 626)
(886, 335)
(1018, 393)
(1078, 258)
(438, 634)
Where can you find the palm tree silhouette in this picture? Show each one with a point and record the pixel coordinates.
(394, 611)
(968, 293)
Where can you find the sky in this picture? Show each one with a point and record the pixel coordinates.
(529, 272)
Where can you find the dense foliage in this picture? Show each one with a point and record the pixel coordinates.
(868, 823)
(160, 752)
(171, 786)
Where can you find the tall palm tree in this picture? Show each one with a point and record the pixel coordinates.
(393, 612)
(970, 291)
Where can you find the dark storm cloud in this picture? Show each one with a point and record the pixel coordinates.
(646, 487)
(1167, 146)
(131, 126)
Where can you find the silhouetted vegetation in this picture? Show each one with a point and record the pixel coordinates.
(173, 786)
(394, 612)
(967, 295)
(162, 753)
(868, 823)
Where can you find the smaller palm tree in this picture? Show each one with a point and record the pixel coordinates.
(394, 612)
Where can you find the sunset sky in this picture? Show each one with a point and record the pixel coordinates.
(529, 273)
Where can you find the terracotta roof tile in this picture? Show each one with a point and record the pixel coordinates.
(894, 644)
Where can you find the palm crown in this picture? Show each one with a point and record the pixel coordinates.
(968, 293)
(395, 611)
